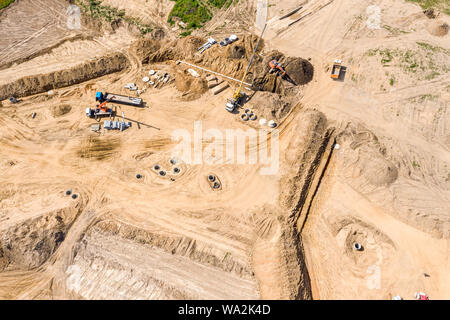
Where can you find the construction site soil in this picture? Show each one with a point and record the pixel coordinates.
(358, 207)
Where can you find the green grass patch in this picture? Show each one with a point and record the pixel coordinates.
(220, 3)
(5, 3)
(191, 12)
(96, 9)
(421, 61)
(392, 80)
(430, 47)
(442, 5)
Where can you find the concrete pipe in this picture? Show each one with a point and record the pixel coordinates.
(156, 167)
(68, 192)
(138, 176)
(252, 116)
(176, 170)
(162, 173)
(211, 178)
(244, 117)
(74, 196)
(216, 185)
(173, 161)
(357, 246)
(247, 110)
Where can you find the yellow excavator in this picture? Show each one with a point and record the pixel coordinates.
(238, 95)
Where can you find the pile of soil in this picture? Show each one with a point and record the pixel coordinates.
(299, 72)
(144, 47)
(430, 13)
(271, 105)
(232, 60)
(191, 87)
(438, 28)
(41, 83)
(60, 110)
(30, 244)
(181, 49)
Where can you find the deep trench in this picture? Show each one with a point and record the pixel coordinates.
(303, 291)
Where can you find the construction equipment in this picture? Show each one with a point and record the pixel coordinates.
(131, 86)
(207, 45)
(120, 99)
(100, 111)
(336, 70)
(276, 67)
(238, 95)
(421, 296)
(229, 40)
(13, 100)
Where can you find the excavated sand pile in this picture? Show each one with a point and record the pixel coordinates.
(36, 84)
(233, 59)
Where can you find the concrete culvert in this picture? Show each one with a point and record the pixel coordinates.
(173, 161)
(247, 110)
(68, 192)
(244, 117)
(216, 185)
(162, 173)
(138, 176)
(156, 167)
(74, 196)
(252, 116)
(357, 246)
(176, 170)
(211, 178)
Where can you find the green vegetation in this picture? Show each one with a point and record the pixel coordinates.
(392, 80)
(5, 3)
(195, 13)
(219, 3)
(191, 12)
(423, 62)
(429, 47)
(96, 10)
(443, 5)
(423, 97)
(415, 164)
(185, 33)
(394, 31)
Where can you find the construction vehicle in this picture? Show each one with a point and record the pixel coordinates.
(421, 296)
(276, 67)
(100, 111)
(238, 95)
(336, 70)
(117, 98)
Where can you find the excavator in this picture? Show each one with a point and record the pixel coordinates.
(276, 67)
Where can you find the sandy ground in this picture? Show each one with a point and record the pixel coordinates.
(29, 27)
(407, 122)
(386, 186)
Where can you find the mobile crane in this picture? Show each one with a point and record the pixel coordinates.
(238, 95)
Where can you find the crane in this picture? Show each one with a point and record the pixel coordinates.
(234, 102)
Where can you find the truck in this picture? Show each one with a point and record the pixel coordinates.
(336, 70)
(120, 99)
(99, 113)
